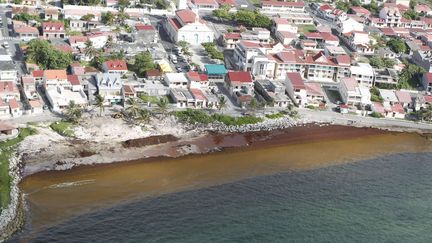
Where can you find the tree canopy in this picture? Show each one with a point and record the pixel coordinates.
(397, 45)
(143, 63)
(245, 17)
(379, 62)
(46, 56)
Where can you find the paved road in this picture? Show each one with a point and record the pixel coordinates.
(347, 119)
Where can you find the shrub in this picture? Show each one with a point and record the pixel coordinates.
(63, 128)
(376, 115)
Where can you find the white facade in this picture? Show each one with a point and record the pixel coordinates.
(110, 85)
(363, 73)
(349, 25)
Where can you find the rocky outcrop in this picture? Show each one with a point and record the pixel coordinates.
(12, 217)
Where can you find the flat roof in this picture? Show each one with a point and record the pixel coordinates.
(215, 69)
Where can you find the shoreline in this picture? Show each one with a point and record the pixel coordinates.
(193, 142)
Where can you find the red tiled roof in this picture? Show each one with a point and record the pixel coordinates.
(422, 8)
(204, 2)
(27, 80)
(143, 27)
(325, 7)
(232, 36)
(403, 96)
(398, 108)
(153, 73)
(186, 15)
(428, 77)
(195, 76)
(175, 23)
(116, 65)
(76, 38)
(343, 60)
(13, 104)
(378, 107)
(35, 103)
(296, 80)
(314, 89)
(361, 10)
(55, 74)
(58, 27)
(228, 2)
(63, 47)
(129, 89)
(27, 30)
(240, 76)
(73, 79)
(249, 44)
(8, 86)
(428, 98)
(329, 37)
(38, 73)
(198, 94)
(278, 3)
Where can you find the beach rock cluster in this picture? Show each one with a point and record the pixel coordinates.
(11, 217)
(266, 125)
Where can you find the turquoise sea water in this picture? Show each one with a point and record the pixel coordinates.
(388, 199)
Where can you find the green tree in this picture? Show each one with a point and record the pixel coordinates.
(87, 17)
(46, 56)
(412, 4)
(90, 50)
(143, 116)
(162, 105)
(73, 112)
(108, 18)
(376, 61)
(123, 3)
(223, 12)
(133, 109)
(109, 43)
(397, 45)
(99, 102)
(143, 63)
(222, 103)
(410, 76)
(122, 16)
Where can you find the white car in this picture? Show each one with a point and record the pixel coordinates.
(6, 44)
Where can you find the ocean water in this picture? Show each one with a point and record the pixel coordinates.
(387, 199)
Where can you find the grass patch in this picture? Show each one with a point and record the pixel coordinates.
(276, 115)
(63, 128)
(307, 28)
(7, 148)
(197, 116)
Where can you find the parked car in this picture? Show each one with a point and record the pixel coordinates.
(5, 44)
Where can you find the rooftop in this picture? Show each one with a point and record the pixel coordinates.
(240, 76)
(215, 69)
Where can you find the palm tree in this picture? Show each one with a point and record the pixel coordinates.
(100, 100)
(122, 16)
(162, 105)
(143, 116)
(133, 108)
(109, 43)
(90, 50)
(73, 112)
(222, 103)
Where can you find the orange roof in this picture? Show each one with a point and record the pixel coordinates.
(8, 87)
(13, 104)
(35, 103)
(55, 74)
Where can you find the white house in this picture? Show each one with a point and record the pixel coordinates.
(296, 89)
(353, 94)
(187, 26)
(176, 80)
(363, 73)
(109, 85)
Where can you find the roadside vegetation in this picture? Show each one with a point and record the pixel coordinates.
(375, 95)
(210, 48)
(7, 148)
(201, 117)
(379, 62)
(63, 128)
(143, 62)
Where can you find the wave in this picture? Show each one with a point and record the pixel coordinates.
(71, 184)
